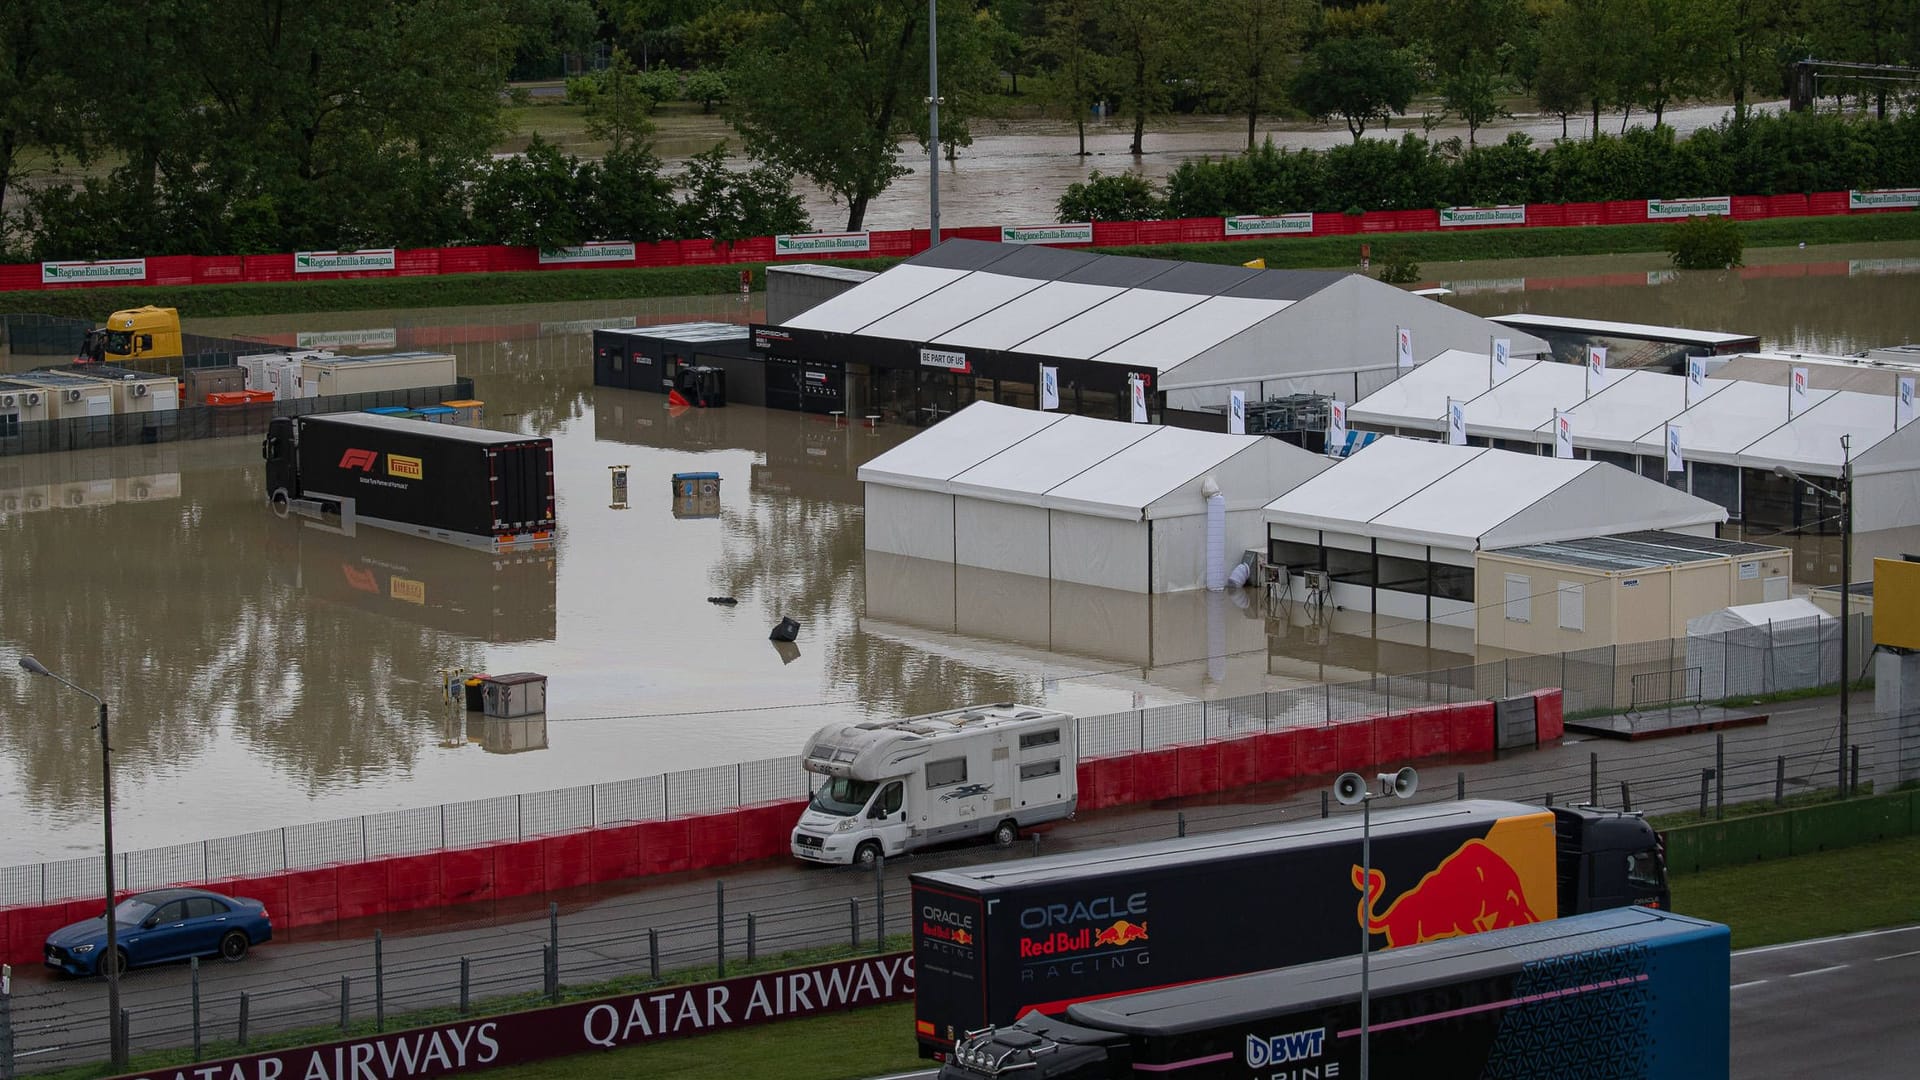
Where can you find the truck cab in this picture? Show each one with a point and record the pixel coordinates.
(133, 334)
(1608, 859)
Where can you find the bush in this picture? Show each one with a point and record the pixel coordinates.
(1397, 268)
(1121, 197)
(1705, 243)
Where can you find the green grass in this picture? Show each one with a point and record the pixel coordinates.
(1808, 896)
(453, 290)
(1684, 818)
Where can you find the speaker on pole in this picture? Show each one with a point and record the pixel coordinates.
(1401, 784)
(1349, 788)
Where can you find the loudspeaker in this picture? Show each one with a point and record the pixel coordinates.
(1403, 783)
(1350, 788)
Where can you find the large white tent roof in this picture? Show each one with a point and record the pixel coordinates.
(872, 299)
(1482, 498)
(1418, 398)
(1721, 426)
(1104, 468)
(1813, 438)
(1512, 409)
(1615, 418)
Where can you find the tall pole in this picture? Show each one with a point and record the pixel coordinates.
(1846, 592)
(110, 961)
(1366, 931)
(933, 122)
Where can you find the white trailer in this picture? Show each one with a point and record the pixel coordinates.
(895, 785)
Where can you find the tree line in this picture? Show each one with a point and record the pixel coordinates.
(272, 125)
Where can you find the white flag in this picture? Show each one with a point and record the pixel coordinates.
(1903, 403)
(1456, 423)
(1501, 347)
(1049, 387)
(1336, 424)
(1236, 412)
(1696, 379)
(1796, 392)
(1139, 393)
(1405, 356)
(1562, 434)
(1674, 461)
(1596, 368)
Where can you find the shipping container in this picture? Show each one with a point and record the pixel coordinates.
(463, 485)
(133, 391)
(69, 396)
(335, 375)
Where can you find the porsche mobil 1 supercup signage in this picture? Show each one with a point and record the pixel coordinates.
(563, 1030)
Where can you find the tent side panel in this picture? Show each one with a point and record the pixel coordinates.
(1180, 553)
(1000, 536)
(904, 521)
(1107, 552)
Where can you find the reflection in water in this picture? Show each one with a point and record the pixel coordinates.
(264, 672)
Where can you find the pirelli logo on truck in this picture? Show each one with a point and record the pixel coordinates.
(400, 465)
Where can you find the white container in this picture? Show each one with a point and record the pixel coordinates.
(375, 374)
(520, 694)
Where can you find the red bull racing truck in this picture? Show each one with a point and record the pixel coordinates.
(993, 943)
(1624, 993)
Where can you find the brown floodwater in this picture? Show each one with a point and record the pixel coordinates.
(264, 672)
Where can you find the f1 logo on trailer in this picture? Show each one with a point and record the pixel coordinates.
(364, 460)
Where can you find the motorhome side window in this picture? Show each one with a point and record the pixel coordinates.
(1049, 737)
(1033, 770)
(946, 773)
(891, 799)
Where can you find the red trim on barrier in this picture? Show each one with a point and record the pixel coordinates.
(360, 889)
(1156, 775)
(1277, 756)
(1199, 768)
(270, 890)
(1113, 779)
(615, 850)
(664, 846)
(1354, 745)
(1549, 715)
(467, 874)
(1430, 732)
(569, 859)
(519, 868)
(413, 881)
(1392, 739)
(1239, 763)
(1317, 749)
(1473, 728)
(713, 840)
(28, 930)
(313, 897)
(1083, 779)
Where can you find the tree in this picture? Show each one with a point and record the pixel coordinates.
(1472, 93)
(1146, 37)
(1121, 197)
(33, 84)
(1247, 40)
(1742, 37)
(631, 200)
(862, 64)
(1071, 31)
(617, 111)
(535, 200)
(725, 206)
(1358, 79)
(1590, 42)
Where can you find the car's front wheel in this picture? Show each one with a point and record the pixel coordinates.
(233, 947)
(114, 963)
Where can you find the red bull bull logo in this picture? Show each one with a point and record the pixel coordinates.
(1121, 933)
(1473, 889)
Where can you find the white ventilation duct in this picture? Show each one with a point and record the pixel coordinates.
(1216, 535)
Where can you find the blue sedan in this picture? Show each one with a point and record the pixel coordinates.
(162, 925)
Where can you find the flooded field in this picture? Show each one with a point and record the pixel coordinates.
(264, 672)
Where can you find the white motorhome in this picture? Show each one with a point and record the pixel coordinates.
(895, 785)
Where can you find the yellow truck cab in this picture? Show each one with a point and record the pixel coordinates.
(135, 334)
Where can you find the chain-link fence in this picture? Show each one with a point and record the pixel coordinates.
(1625, 679)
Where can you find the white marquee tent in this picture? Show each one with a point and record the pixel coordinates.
(1095, 502)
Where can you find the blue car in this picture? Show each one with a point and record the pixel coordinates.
(162, 925)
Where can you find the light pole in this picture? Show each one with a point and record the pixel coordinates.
(933, 123)
(1352, 788)
(111, 959)
(1844, 497)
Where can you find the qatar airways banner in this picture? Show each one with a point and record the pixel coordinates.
(563, 1030)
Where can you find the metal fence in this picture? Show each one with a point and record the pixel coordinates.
(1594, 682)
(643, 938)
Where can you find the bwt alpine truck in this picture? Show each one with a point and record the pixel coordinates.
(992, 943)
(896, 785)
(486, 489)
(1627, 993)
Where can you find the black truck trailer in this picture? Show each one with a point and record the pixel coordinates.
(487, 489)
(994, 942)
(1624, 993)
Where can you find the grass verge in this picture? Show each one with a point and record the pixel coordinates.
(1808, 896)
(461, 290)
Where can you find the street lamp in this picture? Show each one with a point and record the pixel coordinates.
(933, 123)
(111, 959)
(1352, 788)
(1844, 497)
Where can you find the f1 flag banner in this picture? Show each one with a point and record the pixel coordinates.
(1903, 403)
(1501, 347)
(1796, 392)
(1138, 391)
(1696, 380)
(1404, 358)
(1562, 434)
(1456, 423)
(1596, 368)
(1049, 387)
(1674, 461)
(1336, 423)
(1236, 412)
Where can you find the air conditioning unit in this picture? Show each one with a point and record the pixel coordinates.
(8, 401)
(140, 389)
(33, 398)
(75, 395)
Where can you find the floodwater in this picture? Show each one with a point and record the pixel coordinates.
(265, 672)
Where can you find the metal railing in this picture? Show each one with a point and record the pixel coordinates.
(1594, 681)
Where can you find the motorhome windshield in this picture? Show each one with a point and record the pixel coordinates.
(843, 797)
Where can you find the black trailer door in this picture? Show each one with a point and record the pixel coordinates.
(947, 930)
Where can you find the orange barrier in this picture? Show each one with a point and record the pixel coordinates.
(324, 895)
